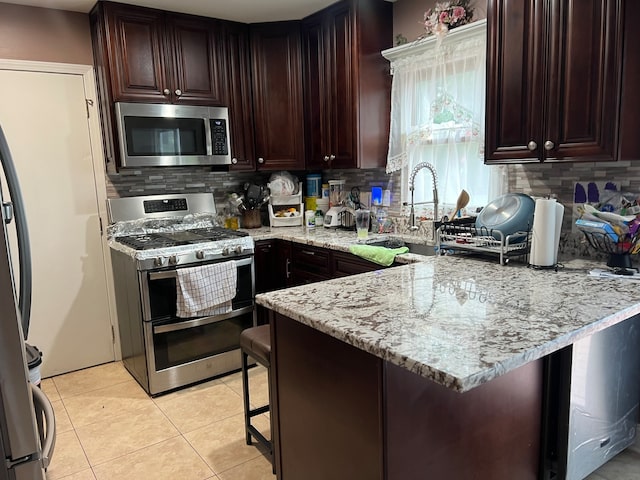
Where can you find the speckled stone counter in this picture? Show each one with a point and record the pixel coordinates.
(333, 239)
(460, 322)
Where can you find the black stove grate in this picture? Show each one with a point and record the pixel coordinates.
(149, 241)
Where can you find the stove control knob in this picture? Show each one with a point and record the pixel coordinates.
(173, 260)
(226, 251)
(239, 249)
(157, 262)
(200, 255)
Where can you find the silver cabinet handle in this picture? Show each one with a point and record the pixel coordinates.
(286, 267)
(234, 160)
(307, 252)
(532, 145)
(332, 157)
(260, 160)
(178, 92)
(166, 92)
(549, 145)
(326, 158)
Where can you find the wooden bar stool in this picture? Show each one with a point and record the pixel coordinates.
(255, 342)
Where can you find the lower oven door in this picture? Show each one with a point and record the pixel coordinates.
(181, 351)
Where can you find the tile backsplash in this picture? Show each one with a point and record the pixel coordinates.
(553, 179)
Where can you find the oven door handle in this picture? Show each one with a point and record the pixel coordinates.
(199, 322)
(174, 273)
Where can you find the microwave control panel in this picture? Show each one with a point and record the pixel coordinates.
(219, 136)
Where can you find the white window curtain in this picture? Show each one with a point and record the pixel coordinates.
(437, 116)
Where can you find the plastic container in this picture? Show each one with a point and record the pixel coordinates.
(314, 182)
(34, 360)
(322, 204)
(310, 203)
(310, 218)
(325, 191)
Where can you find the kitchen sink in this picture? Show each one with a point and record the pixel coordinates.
(416, 248)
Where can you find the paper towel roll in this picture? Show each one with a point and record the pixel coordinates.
(547, 221)
(556, 242)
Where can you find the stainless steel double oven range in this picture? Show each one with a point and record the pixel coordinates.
(151, 239)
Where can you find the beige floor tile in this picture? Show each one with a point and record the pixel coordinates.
(258, 386)
(199, 407)
(49, 389)
(624, 466)
(63, 424)
(105, 403)
(222, 444)
(256, 469)
(83, 475)
(118, 436)
(68, 457)
(173, 459)
(89, 379)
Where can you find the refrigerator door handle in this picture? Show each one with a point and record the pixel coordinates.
(44, 409)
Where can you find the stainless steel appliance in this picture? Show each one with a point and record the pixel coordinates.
(152, 239)
(161, 135)
(27, 422)
(591, 411)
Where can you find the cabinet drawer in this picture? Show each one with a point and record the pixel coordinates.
(345, 264)
(311, 261)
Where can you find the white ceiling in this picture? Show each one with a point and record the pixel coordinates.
(248, 11)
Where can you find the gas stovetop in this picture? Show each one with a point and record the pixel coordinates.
(147, 241)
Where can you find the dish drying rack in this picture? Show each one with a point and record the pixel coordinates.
(469, 238)
(619, 251)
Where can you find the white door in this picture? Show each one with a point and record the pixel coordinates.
(44, 118)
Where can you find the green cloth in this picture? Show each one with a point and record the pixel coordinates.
(381, 255)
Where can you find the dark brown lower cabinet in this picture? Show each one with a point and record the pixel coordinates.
(342, 413)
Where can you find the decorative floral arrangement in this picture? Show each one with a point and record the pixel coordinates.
(445, 16)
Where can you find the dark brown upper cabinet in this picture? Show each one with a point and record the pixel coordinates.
(277, 95)
(157, 56)
(347, 84)
(240, 99)
(554, 71)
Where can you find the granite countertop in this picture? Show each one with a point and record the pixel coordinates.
(334, 239)
(461, 322)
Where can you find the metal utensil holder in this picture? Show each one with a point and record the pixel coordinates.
(469, 238)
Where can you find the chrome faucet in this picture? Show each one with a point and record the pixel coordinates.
(412, 180)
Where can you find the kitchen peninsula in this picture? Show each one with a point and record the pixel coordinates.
(434, 369)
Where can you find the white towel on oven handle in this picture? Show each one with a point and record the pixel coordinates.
(206, 289)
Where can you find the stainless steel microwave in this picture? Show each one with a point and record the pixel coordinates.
(155, 135)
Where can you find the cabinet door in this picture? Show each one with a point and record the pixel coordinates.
(340, 85)
(137, 54)
(584, 81)
(239, 99)
(553, 78)
(347, 84)
(515, 76)
(267, 268)
(284, 263)
(277, 95)
(196, 60)
(316, 89)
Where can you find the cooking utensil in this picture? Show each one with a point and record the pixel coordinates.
(509, 214)
(355, 198)
(463, 200)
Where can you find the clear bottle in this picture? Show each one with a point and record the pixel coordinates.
(319, 218)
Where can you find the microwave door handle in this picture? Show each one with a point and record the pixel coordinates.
(207, 132)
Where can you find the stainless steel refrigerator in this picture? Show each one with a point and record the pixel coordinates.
(27, 422)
